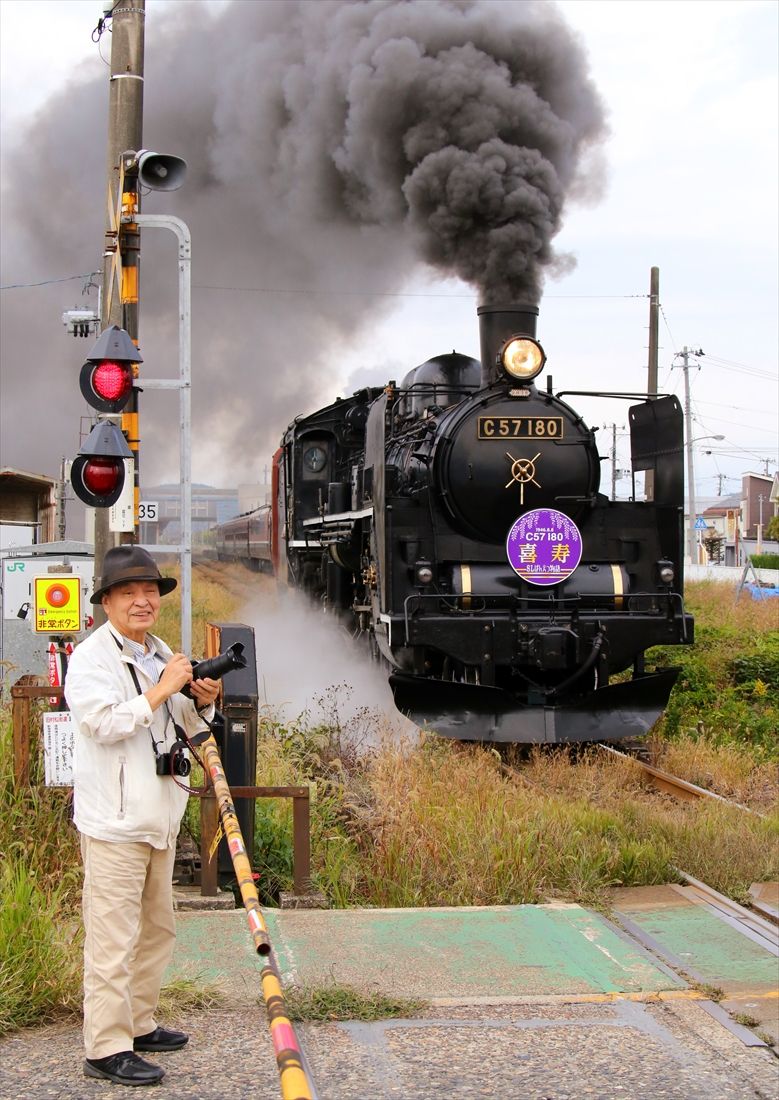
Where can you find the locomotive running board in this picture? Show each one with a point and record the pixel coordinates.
(468, 712)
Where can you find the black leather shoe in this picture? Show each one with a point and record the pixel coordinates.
(125, 1068)
(162, 1038)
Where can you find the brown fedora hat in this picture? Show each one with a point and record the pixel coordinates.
(130, 563)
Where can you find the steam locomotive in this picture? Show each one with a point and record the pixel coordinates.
(454, 523)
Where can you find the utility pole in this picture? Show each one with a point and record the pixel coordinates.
(613, 457)
(720, 478)
(61, 488)
(651, 382)
(760, 500)
(119, 299)
(685, 355)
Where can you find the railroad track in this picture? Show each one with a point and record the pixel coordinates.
(672, 784)
(235, 579)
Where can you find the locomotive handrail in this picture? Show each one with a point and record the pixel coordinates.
(502, 603)
(616, 395)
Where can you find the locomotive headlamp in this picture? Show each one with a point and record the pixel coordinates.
(423, 573)
(665, 572)
(522, 357)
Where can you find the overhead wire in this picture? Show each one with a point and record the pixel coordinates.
(48, 282)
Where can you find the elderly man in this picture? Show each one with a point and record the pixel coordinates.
(123, 686)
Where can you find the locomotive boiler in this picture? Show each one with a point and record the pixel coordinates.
(454, 523)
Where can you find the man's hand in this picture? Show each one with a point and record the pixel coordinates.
(177, 673)
(204, 691)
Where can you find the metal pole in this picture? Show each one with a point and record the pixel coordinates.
(613, 461)
(125, 128)
(184, 386)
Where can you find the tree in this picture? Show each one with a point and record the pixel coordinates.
(772, 528)
(713, 544)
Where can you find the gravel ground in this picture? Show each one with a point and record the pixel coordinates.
(619, 1051)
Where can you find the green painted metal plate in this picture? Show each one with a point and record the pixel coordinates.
(711, 947)
(465, 952)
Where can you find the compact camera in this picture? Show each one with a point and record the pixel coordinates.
(173, 763)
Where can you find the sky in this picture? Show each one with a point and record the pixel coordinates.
(689, 184)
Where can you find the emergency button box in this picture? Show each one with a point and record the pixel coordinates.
(57, 603)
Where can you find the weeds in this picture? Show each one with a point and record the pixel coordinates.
(726, 693)
(340, 1002)
(39, 969)
(187, 994)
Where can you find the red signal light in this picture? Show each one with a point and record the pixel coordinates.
(102, 475)
(112, 380)
(107, 384)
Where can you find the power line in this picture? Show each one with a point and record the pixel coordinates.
(48, 282)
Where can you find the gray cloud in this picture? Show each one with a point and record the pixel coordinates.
(332, 147)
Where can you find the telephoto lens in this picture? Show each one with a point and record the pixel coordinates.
(215, 667)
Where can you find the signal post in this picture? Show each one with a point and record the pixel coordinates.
(110, 454)
(121, 254)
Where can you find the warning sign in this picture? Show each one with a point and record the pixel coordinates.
(57, 604)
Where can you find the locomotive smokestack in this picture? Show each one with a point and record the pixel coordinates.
(496, 325)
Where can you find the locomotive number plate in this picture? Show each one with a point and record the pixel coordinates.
(520, 427)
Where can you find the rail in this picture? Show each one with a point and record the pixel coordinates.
(672, 784)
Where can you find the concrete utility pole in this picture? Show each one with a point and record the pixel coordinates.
(61, 491)
(613, 456)
(685, 355)
(654, 327)
(119, 300)
(651, 382)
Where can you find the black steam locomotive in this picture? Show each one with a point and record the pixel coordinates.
(454, 522)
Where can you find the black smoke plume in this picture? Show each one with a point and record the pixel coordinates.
(333, 147)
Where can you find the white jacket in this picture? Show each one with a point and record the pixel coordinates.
(117, 794)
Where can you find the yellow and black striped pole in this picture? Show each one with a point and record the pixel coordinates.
(296, 1083)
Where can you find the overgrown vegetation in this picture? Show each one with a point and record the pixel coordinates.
(437, 823)
(727, 690)
(341, 1002)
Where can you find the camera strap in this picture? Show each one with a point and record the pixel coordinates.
(139, 689)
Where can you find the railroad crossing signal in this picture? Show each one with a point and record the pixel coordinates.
(99, 472)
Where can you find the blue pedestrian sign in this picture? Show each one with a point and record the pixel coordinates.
(700, 524)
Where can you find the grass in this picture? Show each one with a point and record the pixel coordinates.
(39, 970)
(340, 1002)
(437, 823)
(728, 689)
(187, 994)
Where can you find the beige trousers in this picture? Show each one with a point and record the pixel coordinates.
(129, 937)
